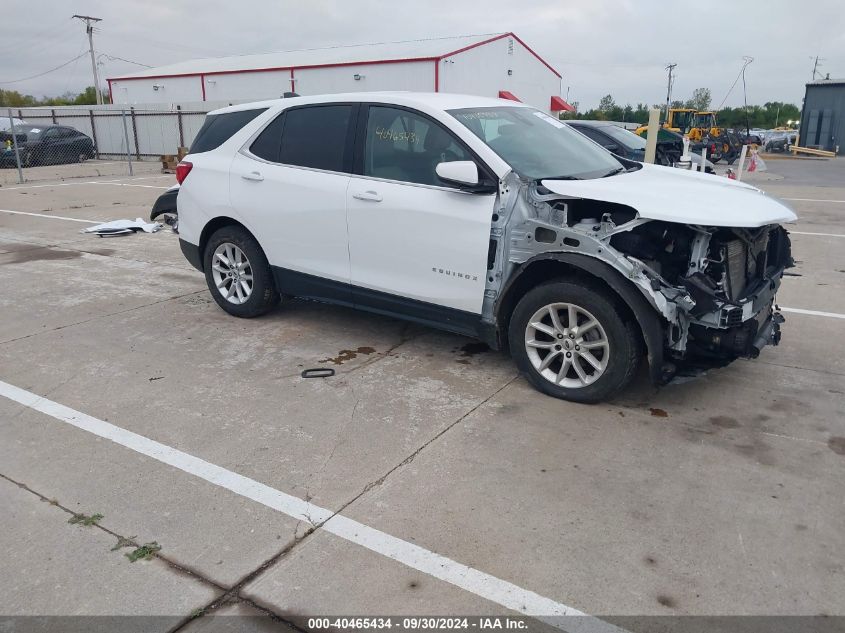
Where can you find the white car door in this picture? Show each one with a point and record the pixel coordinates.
(411, 235)
(290, 188)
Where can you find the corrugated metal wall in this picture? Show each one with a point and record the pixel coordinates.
(823, 118)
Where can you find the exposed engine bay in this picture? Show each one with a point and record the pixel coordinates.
(712, 287)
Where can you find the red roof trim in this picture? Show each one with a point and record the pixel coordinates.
(360, 63)
(530, 50)
(279, 68)
(504, 94)
(558, 104)
(476, 45)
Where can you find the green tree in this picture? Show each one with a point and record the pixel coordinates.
(87, 97)
(700, 100)
(606, 104)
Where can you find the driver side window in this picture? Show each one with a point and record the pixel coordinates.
(401, 145)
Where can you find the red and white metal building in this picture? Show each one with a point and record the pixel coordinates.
(487, 65)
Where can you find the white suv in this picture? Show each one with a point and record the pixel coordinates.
(490, 219)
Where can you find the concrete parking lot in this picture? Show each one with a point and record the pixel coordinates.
(425, 477)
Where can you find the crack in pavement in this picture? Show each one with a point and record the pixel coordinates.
(101, 316)
(230, 595)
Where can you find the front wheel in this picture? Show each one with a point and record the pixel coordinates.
(570, 342)
(238, 274)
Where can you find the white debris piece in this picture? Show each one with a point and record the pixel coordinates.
(123, 227)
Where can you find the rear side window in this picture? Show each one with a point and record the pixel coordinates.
(267, 144)
(219, 128)
(318, 137)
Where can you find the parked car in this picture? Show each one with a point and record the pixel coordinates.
(777, 142)
(51, 144)
(628, 145)
(753, 140)
(612, 137)
(490, 219)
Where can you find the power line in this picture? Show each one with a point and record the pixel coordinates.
(46, 72)
(128, 61)
(35, 36)
(733, 85)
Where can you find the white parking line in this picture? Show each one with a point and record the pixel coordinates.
(52, 217)
(86, 182)
(819, 234)
(472, 580)
(831, 315)
(124, 184)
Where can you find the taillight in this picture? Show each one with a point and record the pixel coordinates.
(182, 170)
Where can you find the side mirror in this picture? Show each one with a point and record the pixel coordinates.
(461, 172)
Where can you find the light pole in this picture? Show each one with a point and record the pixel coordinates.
(748, 60)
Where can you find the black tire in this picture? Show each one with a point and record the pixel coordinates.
(624, 343)
(29, 159)
(264, 295)
(715, 159)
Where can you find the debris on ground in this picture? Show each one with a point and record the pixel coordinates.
(318, 372)
(123, 227)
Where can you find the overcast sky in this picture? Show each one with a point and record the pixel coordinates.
(618, 47)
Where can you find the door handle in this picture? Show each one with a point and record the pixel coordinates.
(372, 196)
(253, 175)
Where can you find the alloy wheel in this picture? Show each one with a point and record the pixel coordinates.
(232, 273)
(567, 345)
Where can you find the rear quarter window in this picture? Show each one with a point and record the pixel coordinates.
(219, 128)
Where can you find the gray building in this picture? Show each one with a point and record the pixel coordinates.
(823, 118)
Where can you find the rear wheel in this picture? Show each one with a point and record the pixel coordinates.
(238, 274)
(570, 342)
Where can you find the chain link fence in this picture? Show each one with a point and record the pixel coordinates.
(69, 142)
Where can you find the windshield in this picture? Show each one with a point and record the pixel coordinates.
(536, 145)
(626, 138)
(32, 131)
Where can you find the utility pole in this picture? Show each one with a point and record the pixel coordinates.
(89, 29)
(670, 68)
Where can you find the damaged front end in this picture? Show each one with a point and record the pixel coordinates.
(711, 289)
